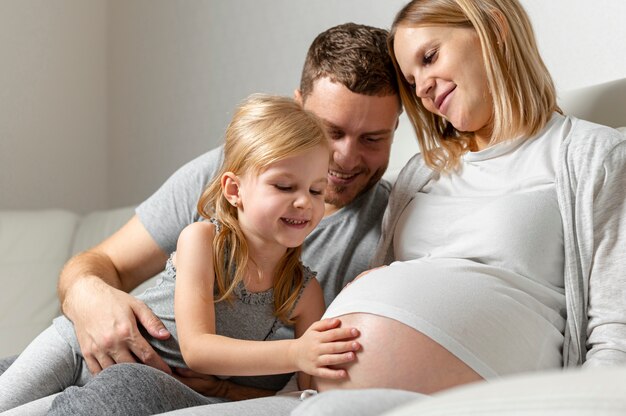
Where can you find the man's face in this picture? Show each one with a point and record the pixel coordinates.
(361, 129)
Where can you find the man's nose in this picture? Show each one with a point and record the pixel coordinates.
(346, 153)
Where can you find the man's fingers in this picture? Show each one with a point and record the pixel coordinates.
(146, 354)
(204, 384)
(149, 320)
(123, 357)
(186, 372)
(93, 365)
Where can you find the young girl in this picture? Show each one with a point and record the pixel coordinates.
(238, 277)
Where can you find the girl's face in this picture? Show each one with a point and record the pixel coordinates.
(446, 68)
(282, 204)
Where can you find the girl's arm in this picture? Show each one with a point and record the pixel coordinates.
(208, 353)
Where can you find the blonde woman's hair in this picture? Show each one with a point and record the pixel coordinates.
(263, 130)
(520, 85)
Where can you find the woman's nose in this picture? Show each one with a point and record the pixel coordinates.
(424, 88)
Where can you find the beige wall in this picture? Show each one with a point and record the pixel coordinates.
(53, 140)
(101, 100)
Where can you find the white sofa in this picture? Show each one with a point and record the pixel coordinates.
(34, 245)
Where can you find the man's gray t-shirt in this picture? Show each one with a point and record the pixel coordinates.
(339, 248)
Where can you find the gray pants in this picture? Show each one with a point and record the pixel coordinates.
(135, 389)
(46, 367)
(128, 389)
(6, 363)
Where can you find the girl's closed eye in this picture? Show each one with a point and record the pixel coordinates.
(317, 192)
(283, 187)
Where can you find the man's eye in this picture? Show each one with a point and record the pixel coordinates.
(335, 134)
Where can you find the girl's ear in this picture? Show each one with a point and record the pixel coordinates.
(230, 188)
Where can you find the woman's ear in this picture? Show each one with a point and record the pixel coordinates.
(230, 188)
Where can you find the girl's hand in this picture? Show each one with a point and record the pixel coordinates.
(323, 346)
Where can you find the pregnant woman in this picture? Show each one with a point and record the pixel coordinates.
(505, 237)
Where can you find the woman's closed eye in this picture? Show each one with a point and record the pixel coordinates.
(429, 57)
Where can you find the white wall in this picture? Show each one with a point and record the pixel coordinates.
(152, 83)
(53, 149)
(180, 68)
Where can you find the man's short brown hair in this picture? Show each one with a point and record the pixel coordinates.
(353, 55)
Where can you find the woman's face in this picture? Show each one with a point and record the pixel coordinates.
(446, 68)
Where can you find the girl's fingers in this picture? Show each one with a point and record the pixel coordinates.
(339, 347)
(338, 334)
(331, 373)
(336, 359)
(325, 324)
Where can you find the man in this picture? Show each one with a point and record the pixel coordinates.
(348, 80)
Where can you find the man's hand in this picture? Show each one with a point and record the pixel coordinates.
(105, 320)
(212, 386)
(324, 345)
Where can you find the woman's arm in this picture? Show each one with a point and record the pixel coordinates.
(606, 329)
(208, 353)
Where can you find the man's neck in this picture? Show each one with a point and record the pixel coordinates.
(330, 209)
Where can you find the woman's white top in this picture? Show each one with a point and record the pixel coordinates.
(480, 260)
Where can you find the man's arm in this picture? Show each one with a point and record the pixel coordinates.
(93, 290)
(212, 386)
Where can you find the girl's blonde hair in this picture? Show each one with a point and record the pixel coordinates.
(520, 85)
(263, 130)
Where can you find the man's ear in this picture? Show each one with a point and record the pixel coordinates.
(230, 188)
(297, 96)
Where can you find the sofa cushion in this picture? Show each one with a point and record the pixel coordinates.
(96, 226)
(34, 245)
(572, 392)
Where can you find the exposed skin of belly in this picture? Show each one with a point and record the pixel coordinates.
(394, 355)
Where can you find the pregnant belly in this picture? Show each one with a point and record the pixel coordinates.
(433, 324)
(394, 355)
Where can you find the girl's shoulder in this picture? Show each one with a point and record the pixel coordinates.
(202, 228)
(308, 276)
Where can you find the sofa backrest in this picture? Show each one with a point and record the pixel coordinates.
(34, 245)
